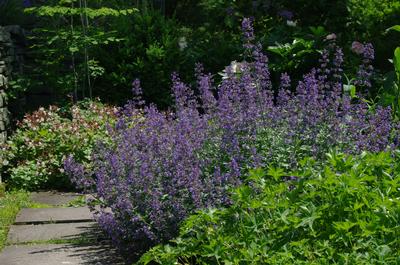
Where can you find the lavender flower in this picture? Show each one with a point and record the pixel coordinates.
(366, 69)
(369, 52)
(137, 93)
(247, 28)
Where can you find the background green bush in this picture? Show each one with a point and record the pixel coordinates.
(159, 39)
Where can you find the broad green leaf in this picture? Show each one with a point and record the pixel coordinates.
(396, 61)
(276, 173)
(73, 49)
(396, 28)
(43, 132)
(351, 89)
(344, 226)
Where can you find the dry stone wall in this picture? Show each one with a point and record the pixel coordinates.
(11, 61)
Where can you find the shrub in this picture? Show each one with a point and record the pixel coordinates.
(155, 55)
(62, 47)
(33, 156)
(165, 165)
(347, 213)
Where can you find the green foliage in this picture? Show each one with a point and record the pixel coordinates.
(149, 50)
(71, 53)
(10, 205)
(272, 143)
(2, 190)
(51, 11)
(373, 15)
(293, 54)
(345, 213)
(88, 48)
(64, 42)
(78, 202)
(390, 94)
(396, 84)
(34, 155)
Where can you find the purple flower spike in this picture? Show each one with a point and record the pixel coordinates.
(366, 69)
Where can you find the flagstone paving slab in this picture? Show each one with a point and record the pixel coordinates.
(53, 215)
(63, 254)
(81, 241)
(44, 232)
(53, 198)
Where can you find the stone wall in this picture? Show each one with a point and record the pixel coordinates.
(12, 42)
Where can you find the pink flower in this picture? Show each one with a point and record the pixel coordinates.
(331, 36)
(357, 47)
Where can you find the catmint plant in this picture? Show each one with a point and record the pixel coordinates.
(162, 166)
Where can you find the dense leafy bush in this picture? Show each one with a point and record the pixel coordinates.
(74, 53)
(149, 49)
(373, 16)
(345, 213)
(33, 156)
(61, 58)
(162, 166)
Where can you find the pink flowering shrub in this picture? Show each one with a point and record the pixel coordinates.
(33, 156)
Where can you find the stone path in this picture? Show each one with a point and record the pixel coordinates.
(54, 198)
(54, 215)
(57, 235)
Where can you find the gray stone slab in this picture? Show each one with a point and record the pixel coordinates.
(53, 198)
(45, 232)
(53, 215)
(63, 254)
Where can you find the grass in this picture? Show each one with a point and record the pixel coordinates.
(12, 202)
(80, 201)
(36, 205)
(10, 205)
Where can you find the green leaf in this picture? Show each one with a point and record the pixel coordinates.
(53, 39)
(344, 226)
(396, 61)
(318, 31)
(256, 174)
(276, 173)
(351, 89)
(43, 132)
(73, 49)
(395, 28)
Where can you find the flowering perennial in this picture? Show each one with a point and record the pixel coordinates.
(162, 166)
